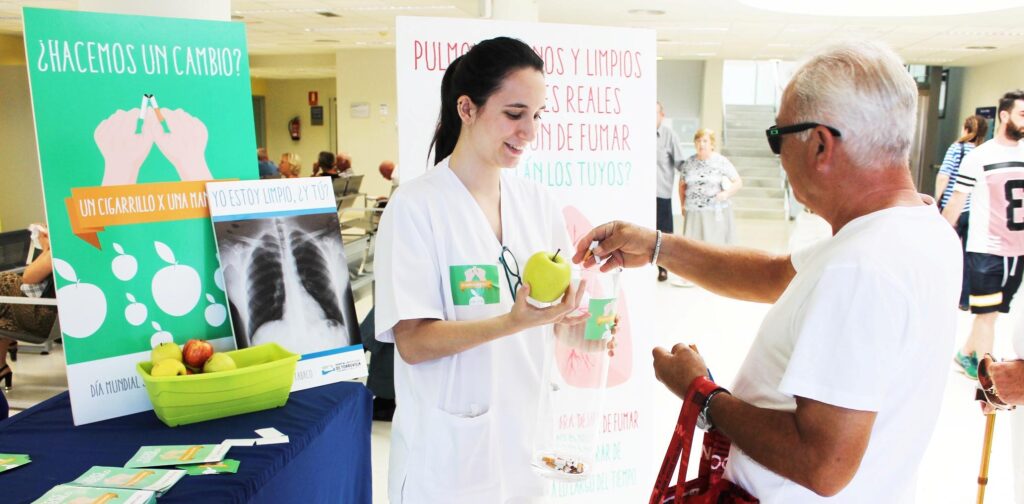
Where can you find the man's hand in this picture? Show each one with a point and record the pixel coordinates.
(677, 369)
(1008, 378)
(629, 245)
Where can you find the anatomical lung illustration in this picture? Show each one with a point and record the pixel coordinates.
(288, 282)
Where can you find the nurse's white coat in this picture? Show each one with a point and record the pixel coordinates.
(463, 430)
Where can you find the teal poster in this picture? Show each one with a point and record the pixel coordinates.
(133, 115)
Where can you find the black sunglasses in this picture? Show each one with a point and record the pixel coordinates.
(775, 133)
(511, 265)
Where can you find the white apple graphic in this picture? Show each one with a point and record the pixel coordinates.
(83, 307)
(216, 314)
(161, 336)
(218, 278)
(124, 266)
(136, 312)
(176, 288)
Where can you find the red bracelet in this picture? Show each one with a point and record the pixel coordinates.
(701, 385)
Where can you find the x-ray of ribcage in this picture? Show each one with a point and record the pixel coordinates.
(287, 282)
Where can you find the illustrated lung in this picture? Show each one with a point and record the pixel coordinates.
(266, 282)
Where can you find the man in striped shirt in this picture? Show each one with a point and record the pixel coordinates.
(993, 176)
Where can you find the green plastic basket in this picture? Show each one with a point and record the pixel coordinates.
(262, 381)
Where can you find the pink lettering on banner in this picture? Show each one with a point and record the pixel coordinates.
(620, 421)
(436, 56)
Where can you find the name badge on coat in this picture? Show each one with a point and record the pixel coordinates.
(475, 284)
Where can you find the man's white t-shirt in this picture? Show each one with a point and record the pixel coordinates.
(993, 175)
(867, 323)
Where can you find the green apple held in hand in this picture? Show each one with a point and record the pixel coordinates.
(219, 362)
(165, 351)
(547, 275)
(168, 367)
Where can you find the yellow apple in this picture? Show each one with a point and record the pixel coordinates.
(547, 275)
(168, 367)
(164, 351)
(219, 362)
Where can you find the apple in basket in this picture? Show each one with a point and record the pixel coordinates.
(165, 351)
(196, 353)
(219, 362)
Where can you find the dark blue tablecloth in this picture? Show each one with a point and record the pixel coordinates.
(326, 460)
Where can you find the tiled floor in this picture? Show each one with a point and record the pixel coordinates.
(723, 329)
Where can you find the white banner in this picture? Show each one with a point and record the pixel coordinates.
(595, 150)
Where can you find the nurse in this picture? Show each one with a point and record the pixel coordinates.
(449, 295)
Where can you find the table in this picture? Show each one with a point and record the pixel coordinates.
(326, 460)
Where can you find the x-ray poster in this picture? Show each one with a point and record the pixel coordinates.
(286, 273)
(595, 151)
(133, 115)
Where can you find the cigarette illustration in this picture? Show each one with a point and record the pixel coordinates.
(142, 114)
(105, 498)
(149, 100)
(139, 477)
(159, 115)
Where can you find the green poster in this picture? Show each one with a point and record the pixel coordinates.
(133, 114)
(474, 284)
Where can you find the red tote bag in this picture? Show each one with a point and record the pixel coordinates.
(710, 487)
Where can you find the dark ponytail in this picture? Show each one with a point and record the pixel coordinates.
(477, 74)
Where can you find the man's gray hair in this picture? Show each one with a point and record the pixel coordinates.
(863, 90)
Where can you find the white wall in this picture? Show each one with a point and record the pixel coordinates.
(286, 99)
(368, 76)
(712, 109)
(21, 201)
(984, 84)
(680, 85)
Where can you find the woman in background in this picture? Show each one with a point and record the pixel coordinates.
(709, 180)
(290, 165)
(973, 135)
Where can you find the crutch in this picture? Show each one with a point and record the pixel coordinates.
(986, 453)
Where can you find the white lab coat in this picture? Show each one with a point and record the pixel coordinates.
(463, 430)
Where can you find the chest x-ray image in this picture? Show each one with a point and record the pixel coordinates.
(287, 282)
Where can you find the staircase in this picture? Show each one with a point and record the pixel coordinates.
(763, 195)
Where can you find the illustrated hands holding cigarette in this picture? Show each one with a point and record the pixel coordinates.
(180, 137)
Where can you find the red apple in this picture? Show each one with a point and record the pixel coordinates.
(196, 352)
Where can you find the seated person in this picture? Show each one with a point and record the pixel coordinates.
(343, 162)
(325, 166)
(290, 165)
(267, 167)
(35, 281)
(387, 170)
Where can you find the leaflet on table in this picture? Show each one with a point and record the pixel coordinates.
(70, 494)
(154, 456)
(157, 480)
(286, 275)
(9, 461)
(224, 466)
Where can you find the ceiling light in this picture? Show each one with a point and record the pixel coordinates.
(334, 29)
(980, 47)
(646, 12)
(987, 33)
(326, 41)
(365, 8)
(882, 8)
(327, 14)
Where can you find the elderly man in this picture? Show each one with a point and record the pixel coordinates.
(840, 391)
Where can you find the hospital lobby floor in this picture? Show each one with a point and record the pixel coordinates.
(723, 330)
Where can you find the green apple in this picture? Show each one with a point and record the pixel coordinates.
(219, 362)
(168, 367)
(547, 275)
(165, 351)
